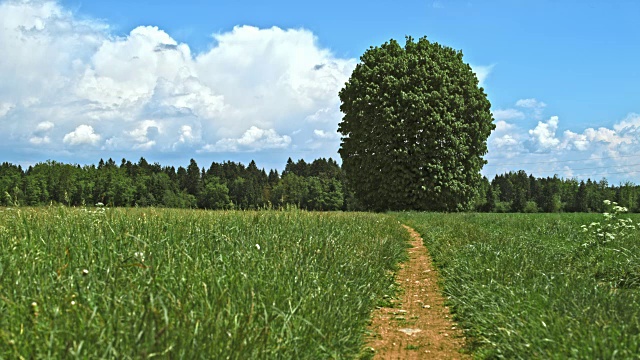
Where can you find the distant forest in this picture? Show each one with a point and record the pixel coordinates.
(318, 185)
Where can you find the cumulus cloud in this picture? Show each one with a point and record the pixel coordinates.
(82, 135)
(511, 140)
(601, 151)
(574, 140)
(145, 134)
(254, 139)
(41, 133)
(503, 126)
(629, 124)
(544, 134)
(44, 127)
(186, 134)
(505, 141)
(535, 106)
(251, 90)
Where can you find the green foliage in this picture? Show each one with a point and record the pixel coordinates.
(530, 207)
(553, 194)
(311, 192)
(524, 287)
(183, 284)
(222, 186)
(415, 128)
(214, 196)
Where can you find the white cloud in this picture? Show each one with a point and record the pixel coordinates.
(505, 141)
(321, 134)
(602, 150)
(482, 72)
(631, 122)
(5, 108)
(186, 134)
(503, 126)
(74, 73)
(568, 172)
(37, 140)
(325, 115)
(530, 104)
(82, 135)
(605, 135)
(544, 134)
(42, 42)
(44, 126)
(505, 138)
(534, 106)
(254, 139)
(41, 133)
(573, 140)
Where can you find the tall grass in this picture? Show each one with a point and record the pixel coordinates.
(143, 283)
(525, 287)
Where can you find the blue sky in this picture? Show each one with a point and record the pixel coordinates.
(235, 80)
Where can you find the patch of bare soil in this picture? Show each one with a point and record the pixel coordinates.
(419, 325)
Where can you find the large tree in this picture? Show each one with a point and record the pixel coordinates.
(415, 128)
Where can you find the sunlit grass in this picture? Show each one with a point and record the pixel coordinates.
(139, 283)
(525, 286)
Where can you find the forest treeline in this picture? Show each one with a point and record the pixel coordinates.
(520, 192)
(228, 185)
(318, 185)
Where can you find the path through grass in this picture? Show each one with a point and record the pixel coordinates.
(525, 288)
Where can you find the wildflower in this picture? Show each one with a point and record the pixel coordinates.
(99, 204)
(73, 302)
(258, 246)
(612, 227)
(139, 255)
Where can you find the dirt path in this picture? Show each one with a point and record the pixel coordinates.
(419, 325)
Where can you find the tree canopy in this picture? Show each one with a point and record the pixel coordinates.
(415, 128)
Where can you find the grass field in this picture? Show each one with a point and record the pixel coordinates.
(524, 287)
(139, 283)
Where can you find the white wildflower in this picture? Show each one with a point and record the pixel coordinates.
(139, 255)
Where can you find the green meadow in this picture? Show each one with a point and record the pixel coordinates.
(524, 286)
(184, 284)
(142, 283)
